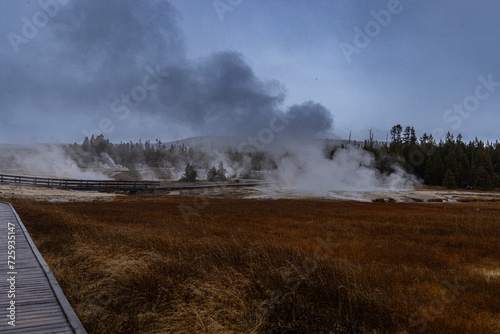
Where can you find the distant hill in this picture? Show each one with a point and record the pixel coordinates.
(222, 143)
(209, 143)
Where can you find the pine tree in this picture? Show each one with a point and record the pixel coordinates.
(449, 180)
(221, 172)
(413, 136)
(86, 144)
(217, 174)
(434, 172)
(407, 135)
(483, 179)
(212, 174)
(190, 174)
(396, 133)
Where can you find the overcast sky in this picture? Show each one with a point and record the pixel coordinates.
(174, 69)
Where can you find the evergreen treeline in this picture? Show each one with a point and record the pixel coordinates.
(99, 151)
(451, 163)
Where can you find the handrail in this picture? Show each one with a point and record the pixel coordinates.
(76, 184)
(69, 313)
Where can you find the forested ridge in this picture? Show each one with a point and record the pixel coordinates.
(450, 162)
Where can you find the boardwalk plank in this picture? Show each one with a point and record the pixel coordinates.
(41, 307)
(54, 328)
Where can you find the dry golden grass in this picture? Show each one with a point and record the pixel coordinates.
(273, 266)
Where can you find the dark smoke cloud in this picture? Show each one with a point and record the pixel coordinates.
(310, 119)
(94, 51)
(89, 54)
(222, 95)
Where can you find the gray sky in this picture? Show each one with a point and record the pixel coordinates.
(173, 69)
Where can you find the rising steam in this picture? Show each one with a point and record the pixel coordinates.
(44, 160)
(351, 169)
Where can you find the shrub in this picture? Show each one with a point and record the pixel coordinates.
(217, 174)
(190, 174)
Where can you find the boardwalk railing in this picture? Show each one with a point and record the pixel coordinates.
(38, 304)
(95, 185)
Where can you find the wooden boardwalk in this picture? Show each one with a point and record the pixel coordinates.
(70, 184)
(27, 284)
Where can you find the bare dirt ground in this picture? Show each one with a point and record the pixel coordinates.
(421, 195)
(262, 192)
(411, 195)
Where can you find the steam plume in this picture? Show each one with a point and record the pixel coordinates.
(350, 169)
(43, 160)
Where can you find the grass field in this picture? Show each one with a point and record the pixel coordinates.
(184, 265)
